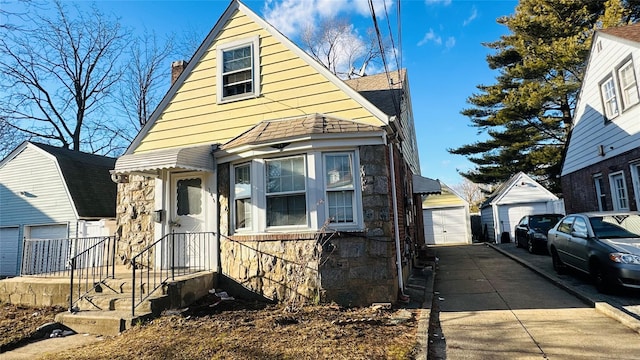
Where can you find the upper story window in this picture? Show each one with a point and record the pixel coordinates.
(628, 85)
(609, 98)
(238, 70)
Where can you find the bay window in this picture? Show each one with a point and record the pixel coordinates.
(300, 192)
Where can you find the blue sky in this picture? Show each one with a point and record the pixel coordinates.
(441, 49)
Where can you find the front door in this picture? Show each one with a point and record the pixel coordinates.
(187, 218)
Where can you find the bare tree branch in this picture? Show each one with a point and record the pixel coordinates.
(60, 74)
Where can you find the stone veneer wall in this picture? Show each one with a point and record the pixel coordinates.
(134, 216)
(354, 269)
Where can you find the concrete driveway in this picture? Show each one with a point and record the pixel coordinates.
(488, 306)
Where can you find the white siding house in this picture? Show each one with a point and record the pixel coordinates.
(51, 193)
(601, 166)
(519, 196)
(446, 218)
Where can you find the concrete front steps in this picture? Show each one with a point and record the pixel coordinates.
(109, 312)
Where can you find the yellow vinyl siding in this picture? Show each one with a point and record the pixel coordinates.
(289, 87)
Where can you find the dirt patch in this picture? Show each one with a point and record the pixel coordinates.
(238, 329)
(19, 324)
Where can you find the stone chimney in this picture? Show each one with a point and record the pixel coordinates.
(177, 67)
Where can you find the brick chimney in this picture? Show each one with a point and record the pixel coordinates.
(177, 67)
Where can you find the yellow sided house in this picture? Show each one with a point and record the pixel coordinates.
(263, 166)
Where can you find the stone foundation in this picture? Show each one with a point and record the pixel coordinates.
(351, 270)
(134, 216)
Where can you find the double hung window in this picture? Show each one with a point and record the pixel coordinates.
(628, 85)
(340, 194)
(238, 76)
(609, 98)
(242, 196)
(619, 192)
(285, 191)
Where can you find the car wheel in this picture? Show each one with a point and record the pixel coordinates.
(600, 279)
(517, 242)
(530, 246)
(558, 266)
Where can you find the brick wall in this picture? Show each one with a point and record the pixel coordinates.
(579, 191)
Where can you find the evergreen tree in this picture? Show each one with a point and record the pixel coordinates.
(540, 64)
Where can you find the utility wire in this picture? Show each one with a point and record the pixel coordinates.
(396, 106)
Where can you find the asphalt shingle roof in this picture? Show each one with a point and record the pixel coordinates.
(629, 32)
(88, 180)
(269, 131)
(380, 90)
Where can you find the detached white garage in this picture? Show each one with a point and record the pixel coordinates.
(51, 193)
(446, 218)
(519, 196)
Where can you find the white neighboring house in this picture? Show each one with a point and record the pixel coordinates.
(517, 197)
(447, 219)
(601, 166)
(48, 192)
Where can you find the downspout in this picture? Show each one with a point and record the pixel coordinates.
(396, 228)
(216, 217)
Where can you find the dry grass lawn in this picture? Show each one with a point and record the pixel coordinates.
(242, 330)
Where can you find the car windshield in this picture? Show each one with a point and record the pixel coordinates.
(616, 226)
(544, 223)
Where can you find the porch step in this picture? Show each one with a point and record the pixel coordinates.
(108, 323)
(123, 302)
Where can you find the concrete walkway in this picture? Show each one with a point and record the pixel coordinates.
(491, 307)
(49, 346)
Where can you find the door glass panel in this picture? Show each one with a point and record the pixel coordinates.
(189, 196)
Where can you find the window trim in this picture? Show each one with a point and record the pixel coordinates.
(627, 61)
(598, 183)
(609, 78)
(635, 180)
(234, 210)
(305, 192)
(614, 191)
(317, 211)
(254, 44)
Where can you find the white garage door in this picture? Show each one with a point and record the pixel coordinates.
(9, 245)
(511, 214)
(445, 226)
(46, 250)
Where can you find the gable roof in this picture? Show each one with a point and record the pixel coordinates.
(88, 180)
(382, 90)
(628, 32)
(204, 48)
(275, 130)
(516, 180)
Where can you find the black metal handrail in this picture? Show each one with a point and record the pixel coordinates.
(174, 254)
(92, 265)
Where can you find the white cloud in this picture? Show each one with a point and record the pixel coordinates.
(291, 17)
(430, 36)
(473, 16)
(451, 42)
